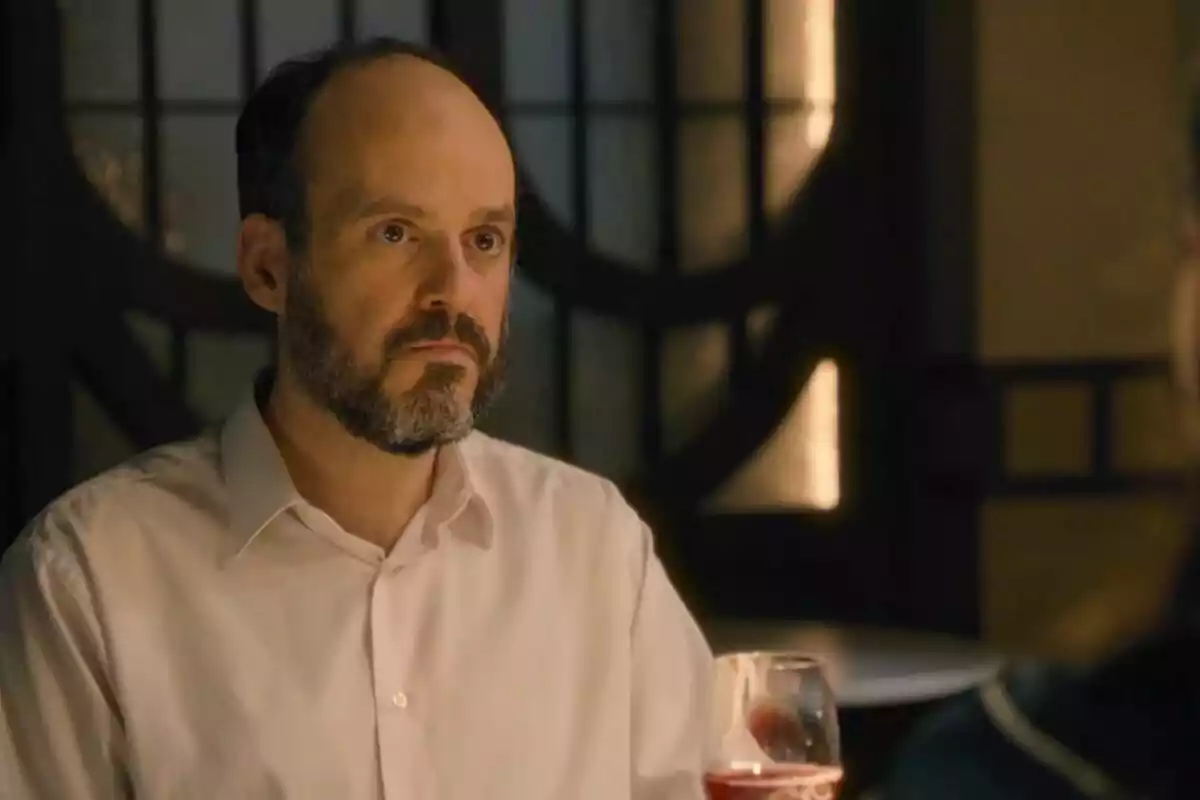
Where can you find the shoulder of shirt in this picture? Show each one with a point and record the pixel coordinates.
(55, 536)
(500, 466)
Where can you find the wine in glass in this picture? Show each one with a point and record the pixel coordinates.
(774, 730)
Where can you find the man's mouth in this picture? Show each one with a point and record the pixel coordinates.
(442, 347)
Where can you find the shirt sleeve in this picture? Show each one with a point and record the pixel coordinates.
(672, 673)
(60, 735)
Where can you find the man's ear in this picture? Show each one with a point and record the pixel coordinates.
(263, 261)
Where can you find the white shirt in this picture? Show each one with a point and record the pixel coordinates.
(187, 626)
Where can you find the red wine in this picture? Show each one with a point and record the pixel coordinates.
(785, 782)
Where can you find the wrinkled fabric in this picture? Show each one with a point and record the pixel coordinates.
(188, 626)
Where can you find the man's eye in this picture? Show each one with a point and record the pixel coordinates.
(487, 241)
(393, 233)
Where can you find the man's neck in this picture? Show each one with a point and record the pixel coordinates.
(368, 492)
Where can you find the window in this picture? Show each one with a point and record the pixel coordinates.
(638, 128)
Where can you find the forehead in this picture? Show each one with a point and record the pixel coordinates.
(402, 126)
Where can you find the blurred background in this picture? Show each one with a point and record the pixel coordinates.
(864, 303)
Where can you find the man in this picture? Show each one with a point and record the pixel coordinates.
(345, 593)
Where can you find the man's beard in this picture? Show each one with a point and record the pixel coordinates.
(425, 416)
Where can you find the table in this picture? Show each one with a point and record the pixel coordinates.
(869, 667)
(884, 680)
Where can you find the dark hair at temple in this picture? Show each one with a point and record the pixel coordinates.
(270, 173)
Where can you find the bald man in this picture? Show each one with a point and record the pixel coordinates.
(344, 592)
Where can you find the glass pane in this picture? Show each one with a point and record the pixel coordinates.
(794, 141)
(100, 50)
(543, 146)
(799, 60)
(712, 191)
(606, 364)
(153, 335)
(620, 61)
(198, 50)
(711, 55)
(1145, 426)
(404, 19)
(288, 29)
(800, 70)
(220, 370)
(536, 64)
(200, 187)
(1048, 429)
(799, 465)
(695, 362)
(108, 148)
(759, 324)
(98, 444)
(523, 413)
(623, 188)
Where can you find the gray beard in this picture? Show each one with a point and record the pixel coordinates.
(428, 415)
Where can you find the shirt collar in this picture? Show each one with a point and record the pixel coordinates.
(260, 488)
(256, 479)
(456, 480)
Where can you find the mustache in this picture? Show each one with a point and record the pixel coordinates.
(438, 324)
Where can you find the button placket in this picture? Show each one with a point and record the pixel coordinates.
(398, 738)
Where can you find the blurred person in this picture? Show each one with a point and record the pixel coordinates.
(345, 592)
(1124, 729)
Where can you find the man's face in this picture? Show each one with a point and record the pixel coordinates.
(396, 313)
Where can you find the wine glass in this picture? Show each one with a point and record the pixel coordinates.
(774, 730)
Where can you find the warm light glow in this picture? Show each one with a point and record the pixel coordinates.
(799, 466)
(800, 68)
(819, 407)
(819, 70)
(814, 432)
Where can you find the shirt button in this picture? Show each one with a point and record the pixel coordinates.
(400, 700)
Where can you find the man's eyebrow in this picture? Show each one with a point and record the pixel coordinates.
(497, 215)
(354, 207)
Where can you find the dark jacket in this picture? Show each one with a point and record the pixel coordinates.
(1127, 729)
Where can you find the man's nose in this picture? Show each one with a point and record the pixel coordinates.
(449, 278)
